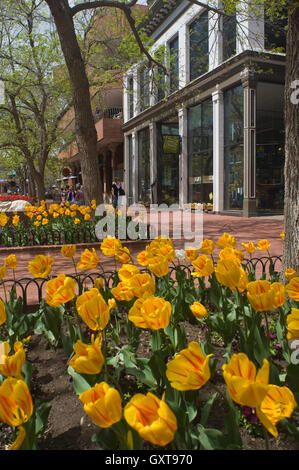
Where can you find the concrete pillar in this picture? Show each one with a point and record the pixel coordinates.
(153, 162)
(218, 150)
(183, 158)
(183, 55)
(249, 82)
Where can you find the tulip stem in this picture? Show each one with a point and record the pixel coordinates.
(221, 394)
(267, 329)
(266, 437)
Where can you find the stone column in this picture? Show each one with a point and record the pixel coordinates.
(153, 162)
(183, 56)
(249, 82)
(218, 150)
(183, 158)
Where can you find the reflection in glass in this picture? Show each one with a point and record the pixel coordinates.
(199, 46)
(130, 170)
(144, 184)
(270, 147)
(233, 148)
(168, 150)
(200, 151)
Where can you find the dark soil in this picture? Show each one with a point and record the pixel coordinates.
(69, 428)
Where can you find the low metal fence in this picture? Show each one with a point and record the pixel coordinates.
(33, 290)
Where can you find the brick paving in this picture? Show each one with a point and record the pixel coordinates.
(244, 229)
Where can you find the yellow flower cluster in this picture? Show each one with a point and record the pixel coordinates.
(41, 215)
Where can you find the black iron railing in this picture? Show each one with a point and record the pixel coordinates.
(115, 112)
(33, 290)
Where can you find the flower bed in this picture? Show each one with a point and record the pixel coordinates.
(143, 379)
(58, 224)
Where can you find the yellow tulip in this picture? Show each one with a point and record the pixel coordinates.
(102, 404)
(2, 312)
(127, 271)
(207, 247)
(68, 251)
(123, 255)
(40, 266)
(261, 295)
(77, 221)
(199, 310)
(263, 245)
(60, 290)
(159, 266)
(99, 283)
(110, 246)
(142, 284)
(142, 258)
(123, 291)
(150, 312)
(3, 271)
(249, 247)
(290, 273)
(88, 358)
(151, 418)
(282, 236)
(203, 266)
(279, 403)
(19, 439)
(229, 274)
(191, 253)
(11, 365)
(89, 260)
(36, 223)
(231, 254)
(3, 219)
(93, 309)
(189, 370)
(45, 221)
(244, 385)
(279, 294)
(293, 324)
(292, 288)
(15, 402)
(15, 220)
(87, 217)
(11, 261)
(226, 240)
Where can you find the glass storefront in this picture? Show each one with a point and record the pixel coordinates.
(200, 152)
(144, 181)
(174, 65)
(270, 147)
(233, 148)
(168, 149)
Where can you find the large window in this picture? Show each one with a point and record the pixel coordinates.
(168, 161)
(144, 180)
(200, 151)
(270, 147)
(144, 88)
(229, 36)
(174, 64)
(275, 33)
(233, 148)
(199, 46)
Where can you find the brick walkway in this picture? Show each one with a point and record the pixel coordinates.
(214, 226)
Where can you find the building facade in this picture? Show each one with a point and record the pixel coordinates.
(213, 127)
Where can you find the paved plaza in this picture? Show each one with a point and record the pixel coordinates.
(213, 226)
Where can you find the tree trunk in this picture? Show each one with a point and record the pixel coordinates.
(291, 172)
(86, 135)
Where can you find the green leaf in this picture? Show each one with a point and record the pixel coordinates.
(206, 409)
(80, 383)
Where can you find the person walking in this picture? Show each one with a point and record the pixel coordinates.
(115, 192)
(79, 197)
